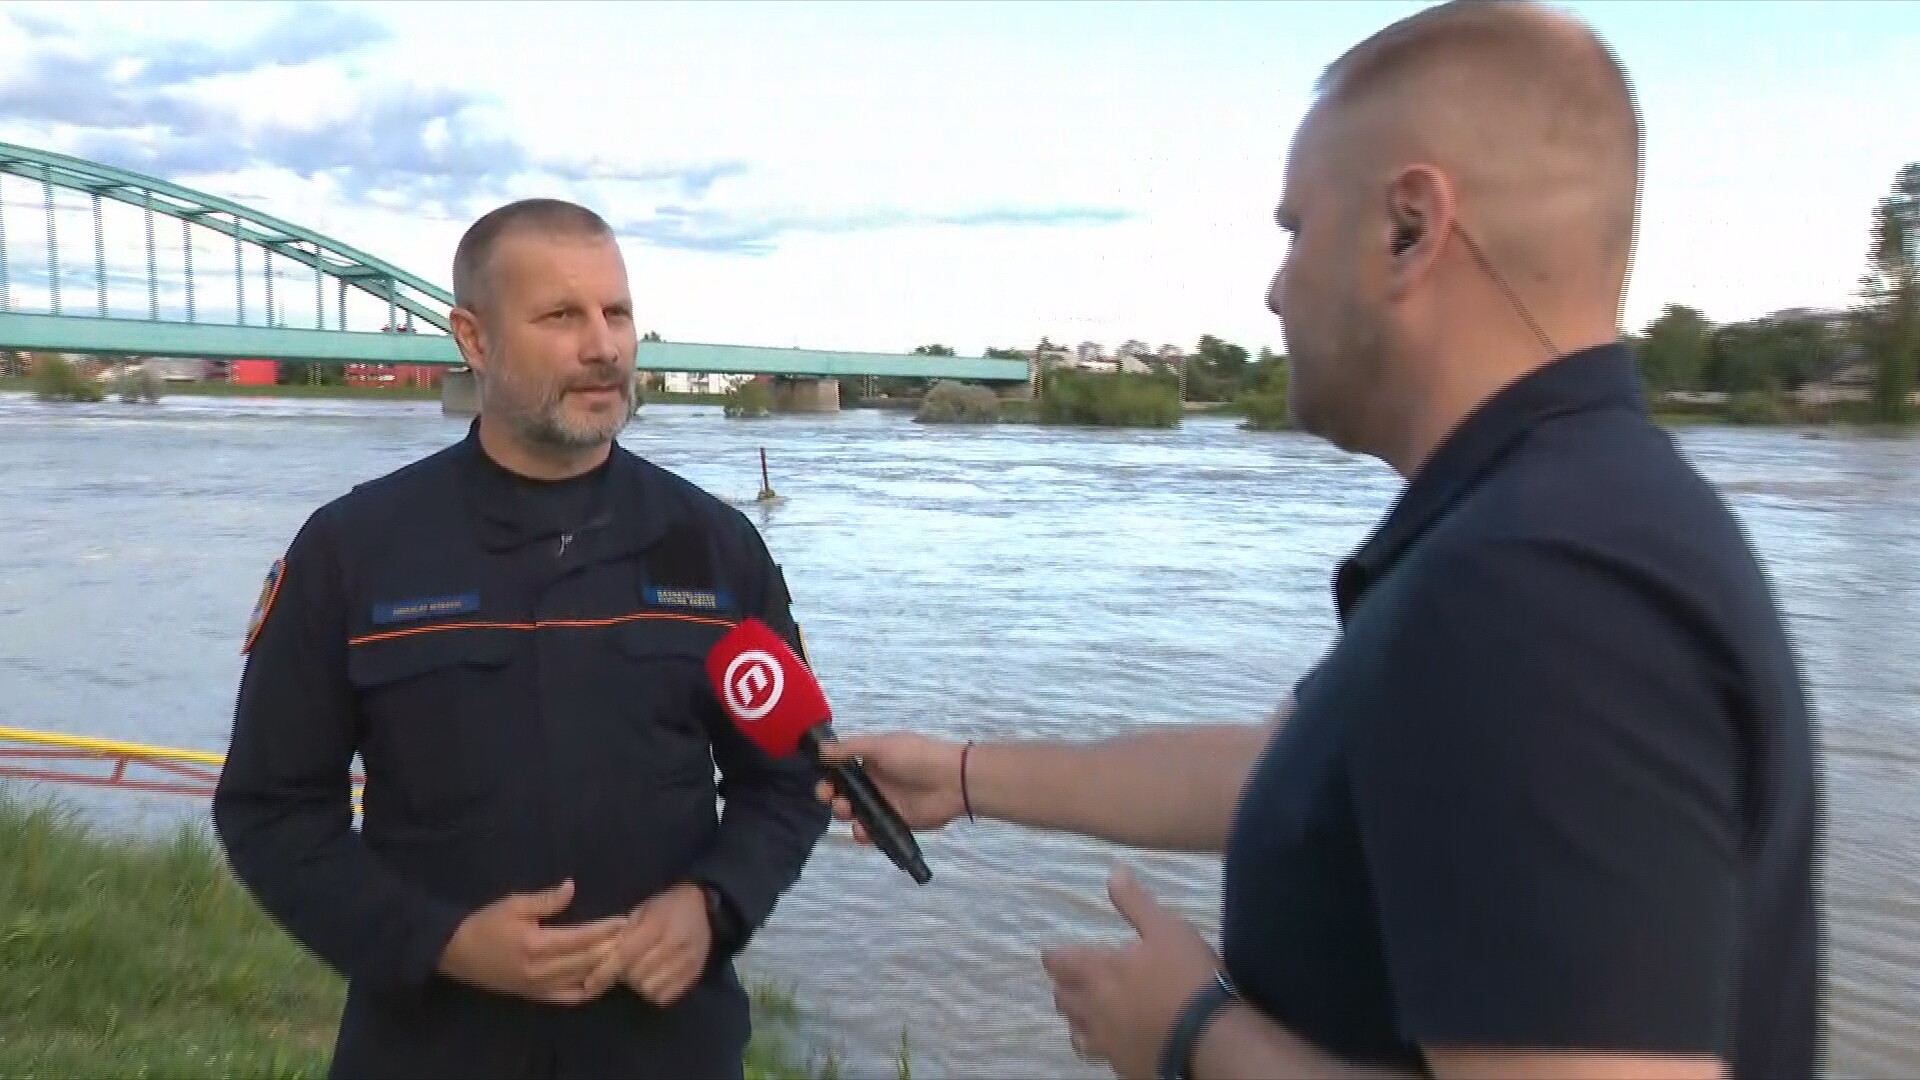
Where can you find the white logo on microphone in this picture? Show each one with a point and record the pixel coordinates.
(753, 676)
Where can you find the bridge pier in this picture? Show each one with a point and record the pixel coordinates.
(459, 393)
(805, 394)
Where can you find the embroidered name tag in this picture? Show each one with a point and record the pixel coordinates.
(430, 608)
(692, 599)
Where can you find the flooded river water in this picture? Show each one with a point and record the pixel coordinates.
(975, 582)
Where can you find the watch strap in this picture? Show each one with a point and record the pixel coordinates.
(721, 920)
(1176, 1055)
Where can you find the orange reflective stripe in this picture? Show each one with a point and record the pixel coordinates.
(387, 635)
(617, 619)
(575, 624)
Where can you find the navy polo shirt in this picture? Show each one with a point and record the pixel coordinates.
(1553, 786)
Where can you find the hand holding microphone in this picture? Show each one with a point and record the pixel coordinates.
(778, 705)
(919, 774)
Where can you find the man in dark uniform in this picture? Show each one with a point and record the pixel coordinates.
(1548, 806)
(511, 636)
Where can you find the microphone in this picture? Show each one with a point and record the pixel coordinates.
(778, 705)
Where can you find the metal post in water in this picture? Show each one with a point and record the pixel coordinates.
(766, 486)
(100, 255)
(53, 254)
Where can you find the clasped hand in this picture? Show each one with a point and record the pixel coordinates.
(659, 949)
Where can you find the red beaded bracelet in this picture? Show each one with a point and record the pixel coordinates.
(965, 802)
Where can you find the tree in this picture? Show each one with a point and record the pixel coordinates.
(1891, 288)
(752, 398)
(1259, 374)
(1225, 361)
(1738, 360)
(932, 350)
(1266, 406)
(1674, 353)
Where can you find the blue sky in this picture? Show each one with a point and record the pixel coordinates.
(873, 175)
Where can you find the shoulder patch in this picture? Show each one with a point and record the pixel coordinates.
(269, 592)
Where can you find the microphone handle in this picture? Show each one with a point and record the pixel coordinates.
(875, 814)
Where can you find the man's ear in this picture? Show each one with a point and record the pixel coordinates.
(465, 326)
(1419, 208)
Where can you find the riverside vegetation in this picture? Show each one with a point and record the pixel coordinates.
(1117, 400)
(146, 958)
(958, 403)
(1066, 397)
(750, 399)
(54, 379)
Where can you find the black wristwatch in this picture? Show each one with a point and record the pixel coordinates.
(1176, 1057)
(721, 921)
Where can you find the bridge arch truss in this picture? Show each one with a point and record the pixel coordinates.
(412, 303)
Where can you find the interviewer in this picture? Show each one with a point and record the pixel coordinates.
(1547, 807)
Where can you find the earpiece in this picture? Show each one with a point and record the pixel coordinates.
(1405, 235)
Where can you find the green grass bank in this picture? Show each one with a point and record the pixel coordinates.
(145, 958)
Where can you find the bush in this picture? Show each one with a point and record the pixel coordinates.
(54, 379)
(1119, 400)
(958, 403)
(1268, 408)
(137, 385)
(1019, 410)
(750, 399)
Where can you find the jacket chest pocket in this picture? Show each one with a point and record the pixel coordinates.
(669, 711)
(436, 711)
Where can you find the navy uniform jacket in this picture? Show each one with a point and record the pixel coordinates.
(521, 673)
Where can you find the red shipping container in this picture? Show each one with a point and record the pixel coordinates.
(254, 372)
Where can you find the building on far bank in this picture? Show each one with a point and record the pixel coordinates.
(417, 375)
(254, 372)
(179, 369)
(689, 382)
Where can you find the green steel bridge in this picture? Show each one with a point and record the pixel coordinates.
(62, 300)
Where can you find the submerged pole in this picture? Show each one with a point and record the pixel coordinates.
(766, 486)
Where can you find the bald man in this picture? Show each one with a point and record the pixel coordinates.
(1547, 807)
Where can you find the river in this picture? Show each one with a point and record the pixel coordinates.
(973, 582)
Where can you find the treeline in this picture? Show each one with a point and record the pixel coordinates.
(1766, 367)
(1862, 363)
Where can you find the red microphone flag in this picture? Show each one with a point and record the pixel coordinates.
(767, 690)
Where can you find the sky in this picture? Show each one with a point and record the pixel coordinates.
(872, 175)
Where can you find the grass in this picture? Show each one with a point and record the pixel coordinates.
(145, 958)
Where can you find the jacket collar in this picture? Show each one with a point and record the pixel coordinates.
(622, 512)
(1599, 377)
